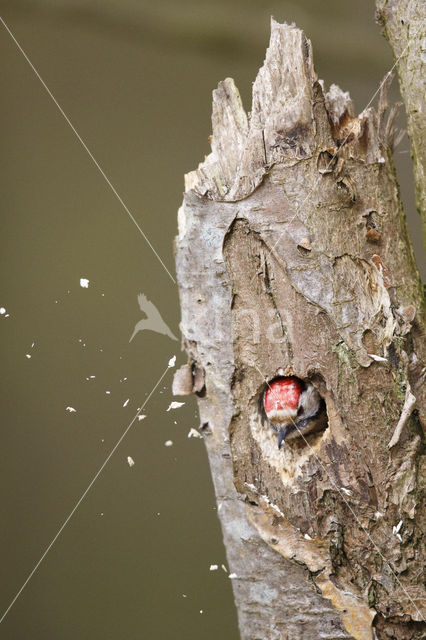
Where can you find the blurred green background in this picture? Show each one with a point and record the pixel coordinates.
(135, 78)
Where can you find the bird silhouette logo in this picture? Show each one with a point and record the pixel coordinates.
(153, 320)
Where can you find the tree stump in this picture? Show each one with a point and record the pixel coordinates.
(293, 259)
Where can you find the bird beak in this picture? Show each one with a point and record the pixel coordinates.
(282, 435)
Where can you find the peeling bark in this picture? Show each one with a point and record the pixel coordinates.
(293, 259)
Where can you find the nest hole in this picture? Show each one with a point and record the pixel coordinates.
(294, 409)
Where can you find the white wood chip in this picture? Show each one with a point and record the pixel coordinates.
(175, 405)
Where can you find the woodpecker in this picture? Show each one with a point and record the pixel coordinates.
(293, 408)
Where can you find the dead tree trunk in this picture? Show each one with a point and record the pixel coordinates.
(293, 259)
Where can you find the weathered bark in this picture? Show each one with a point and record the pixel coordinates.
(404, 22)
(293, 259)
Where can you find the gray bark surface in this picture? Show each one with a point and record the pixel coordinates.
(293, 259)
(405, 28)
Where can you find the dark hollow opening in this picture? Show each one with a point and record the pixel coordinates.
(293, 408)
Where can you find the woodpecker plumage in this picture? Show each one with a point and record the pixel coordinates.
(294, 408)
